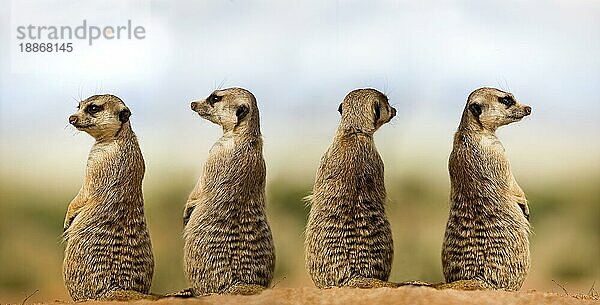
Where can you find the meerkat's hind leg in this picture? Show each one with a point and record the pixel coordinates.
(368, 282)
(464, 285)
(128, 295)
(244, 289)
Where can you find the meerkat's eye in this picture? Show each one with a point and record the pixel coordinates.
(213, 98)
(506, 100)
(92, 109)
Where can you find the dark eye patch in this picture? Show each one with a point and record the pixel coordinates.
(213, 98)
(377, 112)
(93, 109)
(506, 100)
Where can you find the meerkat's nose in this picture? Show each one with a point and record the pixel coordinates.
(393, 112)
(73, 119)
(527, 110)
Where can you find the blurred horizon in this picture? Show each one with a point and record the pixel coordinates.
(300, 60)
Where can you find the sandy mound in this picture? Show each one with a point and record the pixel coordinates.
(403, 295)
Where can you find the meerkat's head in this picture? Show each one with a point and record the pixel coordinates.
(491, 108)
(101, 116)
(234, 109)
(365, 110)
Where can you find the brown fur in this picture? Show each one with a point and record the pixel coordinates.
(348, 236)
(228, 243)
(486, 240)
(108, 251)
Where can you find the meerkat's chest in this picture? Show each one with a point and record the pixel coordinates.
(491, 143)
(102, 153)
(221, 154)
(223, 146)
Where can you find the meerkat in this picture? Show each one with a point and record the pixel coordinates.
(108, 252)
(228, 245)
(486, 244)
(348, 236)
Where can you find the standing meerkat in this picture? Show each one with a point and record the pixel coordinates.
(486, 244)
(228, 244)
(348, 236)
(108, 252)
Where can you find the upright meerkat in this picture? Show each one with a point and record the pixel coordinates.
(486, 244)
(228, 243)
(108, 252)
(348, 236)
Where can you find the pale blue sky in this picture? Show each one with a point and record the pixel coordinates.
(300, 59)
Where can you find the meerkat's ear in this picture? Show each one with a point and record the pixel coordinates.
(241, 112)
(187, 214)
(124, 115)
(475, 109)
(340, 109)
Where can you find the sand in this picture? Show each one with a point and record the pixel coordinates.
(348, 296)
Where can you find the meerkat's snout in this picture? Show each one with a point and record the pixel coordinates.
(393, 111)
(521, 111)
(202, 108)
(78, 122)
